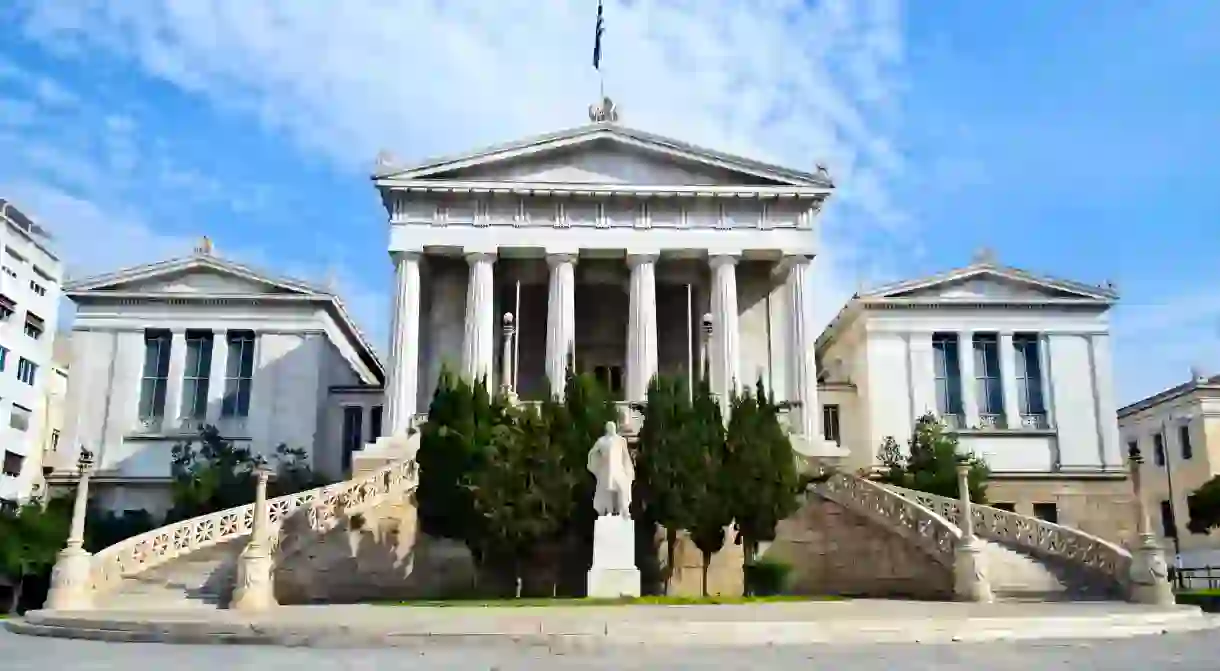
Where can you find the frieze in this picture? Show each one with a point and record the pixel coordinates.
(701, 211)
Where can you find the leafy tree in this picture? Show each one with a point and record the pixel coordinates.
(1204, 507)
(664, 484)
(710, 479)
(932, 464)
(220, 474)
(30, 539)
(765, 483)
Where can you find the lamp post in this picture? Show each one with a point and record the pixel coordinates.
(1173, 502)
(71, 582)
(703, 350)
(508, 329)
(1149, 573)
(970, 581)
(254, 590)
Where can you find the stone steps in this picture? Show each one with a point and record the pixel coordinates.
(203, 578)
(1018, 576)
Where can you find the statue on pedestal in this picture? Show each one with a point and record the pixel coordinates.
(610, 463)
(613, 573)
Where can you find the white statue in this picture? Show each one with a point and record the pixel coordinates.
(610, 463)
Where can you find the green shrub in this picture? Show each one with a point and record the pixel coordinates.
(766, 577)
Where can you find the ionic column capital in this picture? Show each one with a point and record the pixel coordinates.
(480, 257)
(634, 260)
(406, 255)
(795, 260)
(720, 260)
(559, 258)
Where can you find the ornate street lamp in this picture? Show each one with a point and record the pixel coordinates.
(970, 581)
(71, 582)
(706, 331)
(255, 590)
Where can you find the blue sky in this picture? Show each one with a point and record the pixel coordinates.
(1074, 139)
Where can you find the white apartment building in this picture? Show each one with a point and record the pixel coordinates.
(30, 277)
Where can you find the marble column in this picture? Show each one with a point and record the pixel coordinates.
(402, 383)
(726, 345)
(642, 326)
(172, 412)
(970, 400)
(560, 319)
(1008, 382)
(479, 340)
(802, 362)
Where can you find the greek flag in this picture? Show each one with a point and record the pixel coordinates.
(597, 38)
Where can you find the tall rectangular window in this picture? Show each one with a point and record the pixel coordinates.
(375, 422)
(7, 307)
(830, 422)
(195, 377)
(987, 377)
(239, 374)
(156, 373)
(1188, 450)
(12, 464)
(1029, 375)
(27, 371)
(353, 418)
(3, 357)
(948, 376)
(1158, 449)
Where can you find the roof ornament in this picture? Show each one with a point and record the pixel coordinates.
(386, 159)
(1197, 375)
(604, 112)
(331, 280)
(204, 247)
(984, 256)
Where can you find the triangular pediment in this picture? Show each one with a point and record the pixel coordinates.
(606, 154)
(988, 283)
(199, 275)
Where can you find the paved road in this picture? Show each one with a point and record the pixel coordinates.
(1186, 652)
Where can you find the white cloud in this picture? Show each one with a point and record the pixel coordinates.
(784, 80)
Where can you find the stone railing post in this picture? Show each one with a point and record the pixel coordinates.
(71, 579)
(1149, 572)
(254, 590)
(508, 331)
(970, 581)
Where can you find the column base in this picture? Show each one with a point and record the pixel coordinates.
(817, 447)
(1150, 574)
(71, 581)
(970, 581)
(255, 590)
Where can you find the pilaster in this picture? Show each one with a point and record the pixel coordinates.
(641, 326)
(1008, 381)
(217, 375)
(172, 412)
(970, 401)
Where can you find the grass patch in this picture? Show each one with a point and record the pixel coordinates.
(641, 601)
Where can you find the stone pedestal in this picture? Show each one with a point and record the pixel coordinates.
(255, 590)
(970, 572)
(1150, 574)
(71, 584)
(613, 573)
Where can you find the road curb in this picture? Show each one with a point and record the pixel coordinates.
(593, 633)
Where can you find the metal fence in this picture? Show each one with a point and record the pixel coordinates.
(1199, 577)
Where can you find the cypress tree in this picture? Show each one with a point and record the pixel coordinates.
(711, 491)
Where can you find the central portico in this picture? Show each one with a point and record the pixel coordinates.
(607, 245)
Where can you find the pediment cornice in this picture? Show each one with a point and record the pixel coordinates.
(593, 190)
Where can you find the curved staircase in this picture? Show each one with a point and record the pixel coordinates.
(192, 564)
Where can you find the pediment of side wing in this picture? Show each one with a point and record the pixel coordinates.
(190, 276)
(992, 285)
(608, 155)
